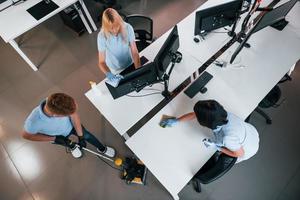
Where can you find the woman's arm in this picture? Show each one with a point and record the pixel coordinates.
(102, 65)
(135, 55)
(187, 117)
(237, 153)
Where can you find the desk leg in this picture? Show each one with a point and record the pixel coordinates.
(87, 13)
(17, 48)
(291, 70)
(175, 197)
(83, 18)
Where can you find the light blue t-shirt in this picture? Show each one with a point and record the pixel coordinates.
(236, 134)
(117, 51)
(39, 122)
(232, 134)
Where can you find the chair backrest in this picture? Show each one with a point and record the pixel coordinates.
(142, 26)
(217, 166)
(271, 98)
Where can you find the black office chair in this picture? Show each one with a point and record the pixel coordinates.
(270, 100)
(110, 4)
(218, 165)
(143, 29)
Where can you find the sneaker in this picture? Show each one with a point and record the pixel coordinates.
(110, 152)
(76, 152)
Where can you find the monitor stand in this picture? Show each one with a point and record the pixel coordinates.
(280, 24)
(166, 93)
(241, 39)
(175, 58)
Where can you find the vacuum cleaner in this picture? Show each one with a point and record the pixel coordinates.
(133, 171)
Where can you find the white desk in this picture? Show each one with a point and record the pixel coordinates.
(124, 112)
(110, 108)
(15, 21)
(174, 155)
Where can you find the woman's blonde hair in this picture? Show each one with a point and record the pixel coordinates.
(112, 18)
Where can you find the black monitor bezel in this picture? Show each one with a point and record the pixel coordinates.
(208, 12)
(254, 29)
(171, 43)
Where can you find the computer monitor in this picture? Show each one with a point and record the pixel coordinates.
(218, 16)
(271, 17)
(167, 53)
(149, 73)
(135, 81)
(275, 15)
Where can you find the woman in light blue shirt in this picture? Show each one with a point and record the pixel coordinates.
(116, 45)
(231, 135)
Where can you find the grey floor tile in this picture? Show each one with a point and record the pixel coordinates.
(11, 184)
(3, 152)
(292, 188)
(13, 108)
(11, 138)
(12, 65)
(31, 170)
(31, 86)
(34, 158)
(77, 87)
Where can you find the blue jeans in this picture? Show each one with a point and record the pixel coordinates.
(90, 138)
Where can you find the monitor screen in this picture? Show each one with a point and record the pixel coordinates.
(218, 16)
(269, 18)
(274, 15)
(149, 73)
(166, 52)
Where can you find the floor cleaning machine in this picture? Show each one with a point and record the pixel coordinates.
(132, 170)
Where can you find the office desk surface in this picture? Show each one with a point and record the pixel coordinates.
(125, 111)
(15, 20)
(193, 55)
(294, 14)
(174, 155)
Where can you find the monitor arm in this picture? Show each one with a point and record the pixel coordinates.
(241, 11)
(245, 27)
(175, 58)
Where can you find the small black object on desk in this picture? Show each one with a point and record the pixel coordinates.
(198, 85)
(41, 9)
(196, 40)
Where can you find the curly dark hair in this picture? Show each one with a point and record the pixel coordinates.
(61, 104)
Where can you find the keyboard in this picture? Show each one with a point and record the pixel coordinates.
(198, 85)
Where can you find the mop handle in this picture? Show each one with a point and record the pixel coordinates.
(95, 153)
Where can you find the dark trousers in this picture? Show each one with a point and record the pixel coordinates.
(90, 138)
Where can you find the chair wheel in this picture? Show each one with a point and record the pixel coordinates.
(269, 121)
